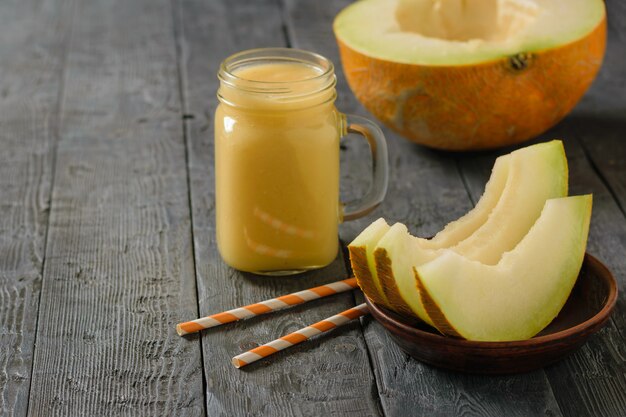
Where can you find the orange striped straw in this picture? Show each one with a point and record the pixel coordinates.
(299, 336)
(266, 306)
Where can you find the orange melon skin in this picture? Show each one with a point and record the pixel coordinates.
(481, 106)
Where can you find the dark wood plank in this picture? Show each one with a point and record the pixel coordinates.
(600, 121)
(426, 191)
(328, 376)
(33, 34)
(592, 382)
(119, 268)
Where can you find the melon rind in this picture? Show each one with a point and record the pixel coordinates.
(361, 259)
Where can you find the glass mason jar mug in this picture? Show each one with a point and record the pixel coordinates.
(277, 138)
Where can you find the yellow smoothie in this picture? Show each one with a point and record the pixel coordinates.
(277, 168)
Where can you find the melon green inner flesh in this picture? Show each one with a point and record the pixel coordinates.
(522, 294)
(453, 233)
(536, 173)
(459, 32)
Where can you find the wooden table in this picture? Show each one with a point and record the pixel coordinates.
(107, 228)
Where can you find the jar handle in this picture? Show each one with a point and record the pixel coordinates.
(380, 166)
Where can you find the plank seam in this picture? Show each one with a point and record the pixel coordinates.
(288, 36)
(285, 27)
(602, 178)
(375, 387)
(464, 181)
(613, 194)
(56, 132)
(186, 117)
(370, 361)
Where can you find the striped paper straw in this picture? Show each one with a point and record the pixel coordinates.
(266, 306)
(299, 336)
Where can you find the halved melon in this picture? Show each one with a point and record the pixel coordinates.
(518, 297)
(459, 75)
(536, 173)
(362, 248)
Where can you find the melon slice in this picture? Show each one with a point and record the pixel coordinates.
(461, 229)
(470, 74)
(362, 248)
(518, 297)
(395, 256)
(362, 262)
(536, 173)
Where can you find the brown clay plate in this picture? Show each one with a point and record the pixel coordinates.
(585, 312)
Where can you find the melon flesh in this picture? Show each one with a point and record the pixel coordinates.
(362, 248)
(521, 295)
(463, 20)
(458, 32)
(536, 173)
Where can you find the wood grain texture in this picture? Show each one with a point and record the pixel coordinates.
(33, 35)
(599, 122)
(327, 376)
(425, 193)
(119, 269)
(592, 382)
